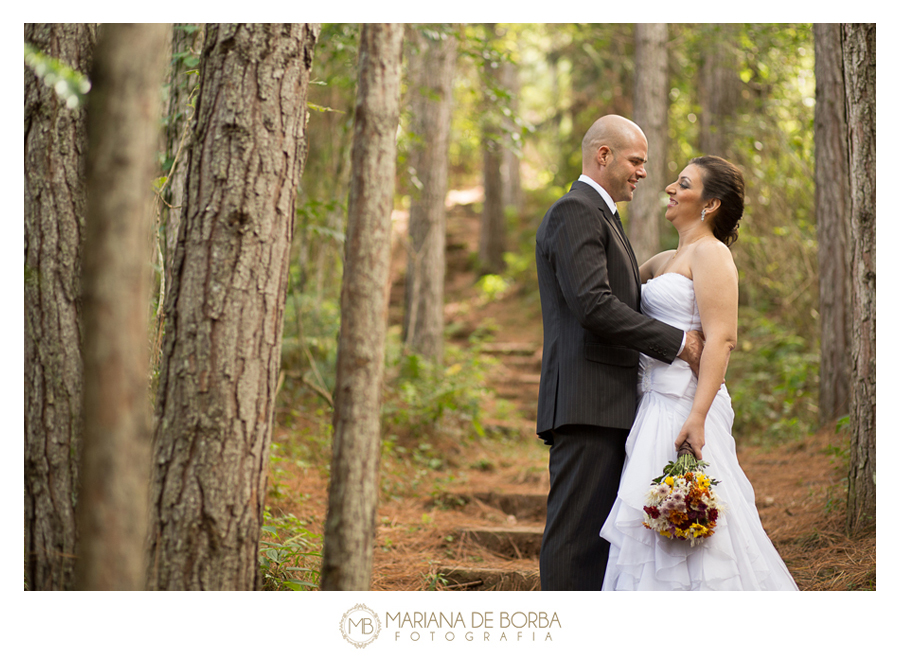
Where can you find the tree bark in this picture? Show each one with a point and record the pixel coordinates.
(430, 71)
(510, 168)
(178, 137)
(492, 239)
(720, 92)
(225, 308)
(651, 113)
(55, 145)
(123, 120)
(859, 78)
(833, 224)
(353, 491)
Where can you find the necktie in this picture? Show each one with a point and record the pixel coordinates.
(619, 222)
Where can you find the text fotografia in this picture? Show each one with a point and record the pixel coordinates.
(479, 626)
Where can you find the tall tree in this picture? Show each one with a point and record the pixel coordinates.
(353, 491)
(431, 62)
(187, 40)
(225, 307)
(651, 113)
(720, 90)
(510, 168)
(55, 145)
(833, 223)
(123, 121)
(858, 47)
(492, 239)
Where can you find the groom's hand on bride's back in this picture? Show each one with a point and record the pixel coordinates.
(693, 348)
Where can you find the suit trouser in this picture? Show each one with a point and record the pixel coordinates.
(585, 466)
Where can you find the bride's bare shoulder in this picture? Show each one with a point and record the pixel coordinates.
(712, 257)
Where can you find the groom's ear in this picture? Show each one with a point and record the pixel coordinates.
(604, 155)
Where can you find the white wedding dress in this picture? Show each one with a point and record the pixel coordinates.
(739, 556)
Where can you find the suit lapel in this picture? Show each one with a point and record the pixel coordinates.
(616, 227)
(619, 230)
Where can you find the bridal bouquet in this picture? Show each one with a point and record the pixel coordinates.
(682, 503)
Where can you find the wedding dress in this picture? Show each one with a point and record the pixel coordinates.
(739, 556)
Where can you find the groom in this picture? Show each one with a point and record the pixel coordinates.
(593, 331)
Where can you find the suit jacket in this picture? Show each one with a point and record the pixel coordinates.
(593, 330)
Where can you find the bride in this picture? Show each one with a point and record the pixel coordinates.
(693, 286)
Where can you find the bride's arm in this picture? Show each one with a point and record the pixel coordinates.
(716, 289)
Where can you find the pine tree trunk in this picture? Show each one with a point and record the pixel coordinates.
(353, 491)
(859, 79)
(178, 137)
(55, 145)
(833, 224)
(225, 308)
(492, 239)
(651, 113)
(510, 168)
(430, 72)
(720, 91)
(123, 121)
(183, 85)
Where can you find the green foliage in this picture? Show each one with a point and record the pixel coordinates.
(332, 96)
(569, 74)
(291, 557)
(773, 381)
(771, 138)
(423, 398)
(70, 85)
(435, 582)
(486, 110)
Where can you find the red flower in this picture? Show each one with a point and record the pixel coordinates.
(652, 511)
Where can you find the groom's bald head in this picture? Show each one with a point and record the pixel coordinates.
(613, 154)
(612, 131)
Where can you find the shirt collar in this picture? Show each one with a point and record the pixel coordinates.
(609, 201)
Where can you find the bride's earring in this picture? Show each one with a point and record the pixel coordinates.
(703, 215)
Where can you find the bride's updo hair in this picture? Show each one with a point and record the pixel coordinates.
(723, 181)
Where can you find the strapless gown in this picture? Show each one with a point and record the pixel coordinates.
(739, 556)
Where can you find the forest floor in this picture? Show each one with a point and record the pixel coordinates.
(467, 513)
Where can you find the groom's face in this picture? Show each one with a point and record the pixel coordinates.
(624, 168)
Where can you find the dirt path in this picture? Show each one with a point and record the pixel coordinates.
(475, 523)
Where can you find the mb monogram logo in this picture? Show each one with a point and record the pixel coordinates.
(360, 626)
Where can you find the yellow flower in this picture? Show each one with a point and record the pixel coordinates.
(699, 530)
(670, 481)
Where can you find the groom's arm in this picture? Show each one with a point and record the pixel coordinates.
(577, 246)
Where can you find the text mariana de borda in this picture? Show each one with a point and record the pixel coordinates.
(484, 626)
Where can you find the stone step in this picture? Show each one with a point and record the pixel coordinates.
(529, 507)
(516, 543)
(517, 381)
(464, 578)
(521, 349)
(524, 507)
(531, 362)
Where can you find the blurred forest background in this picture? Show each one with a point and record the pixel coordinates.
(516, 100)
(561, 79)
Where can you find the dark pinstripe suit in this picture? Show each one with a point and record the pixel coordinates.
(593, 331)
